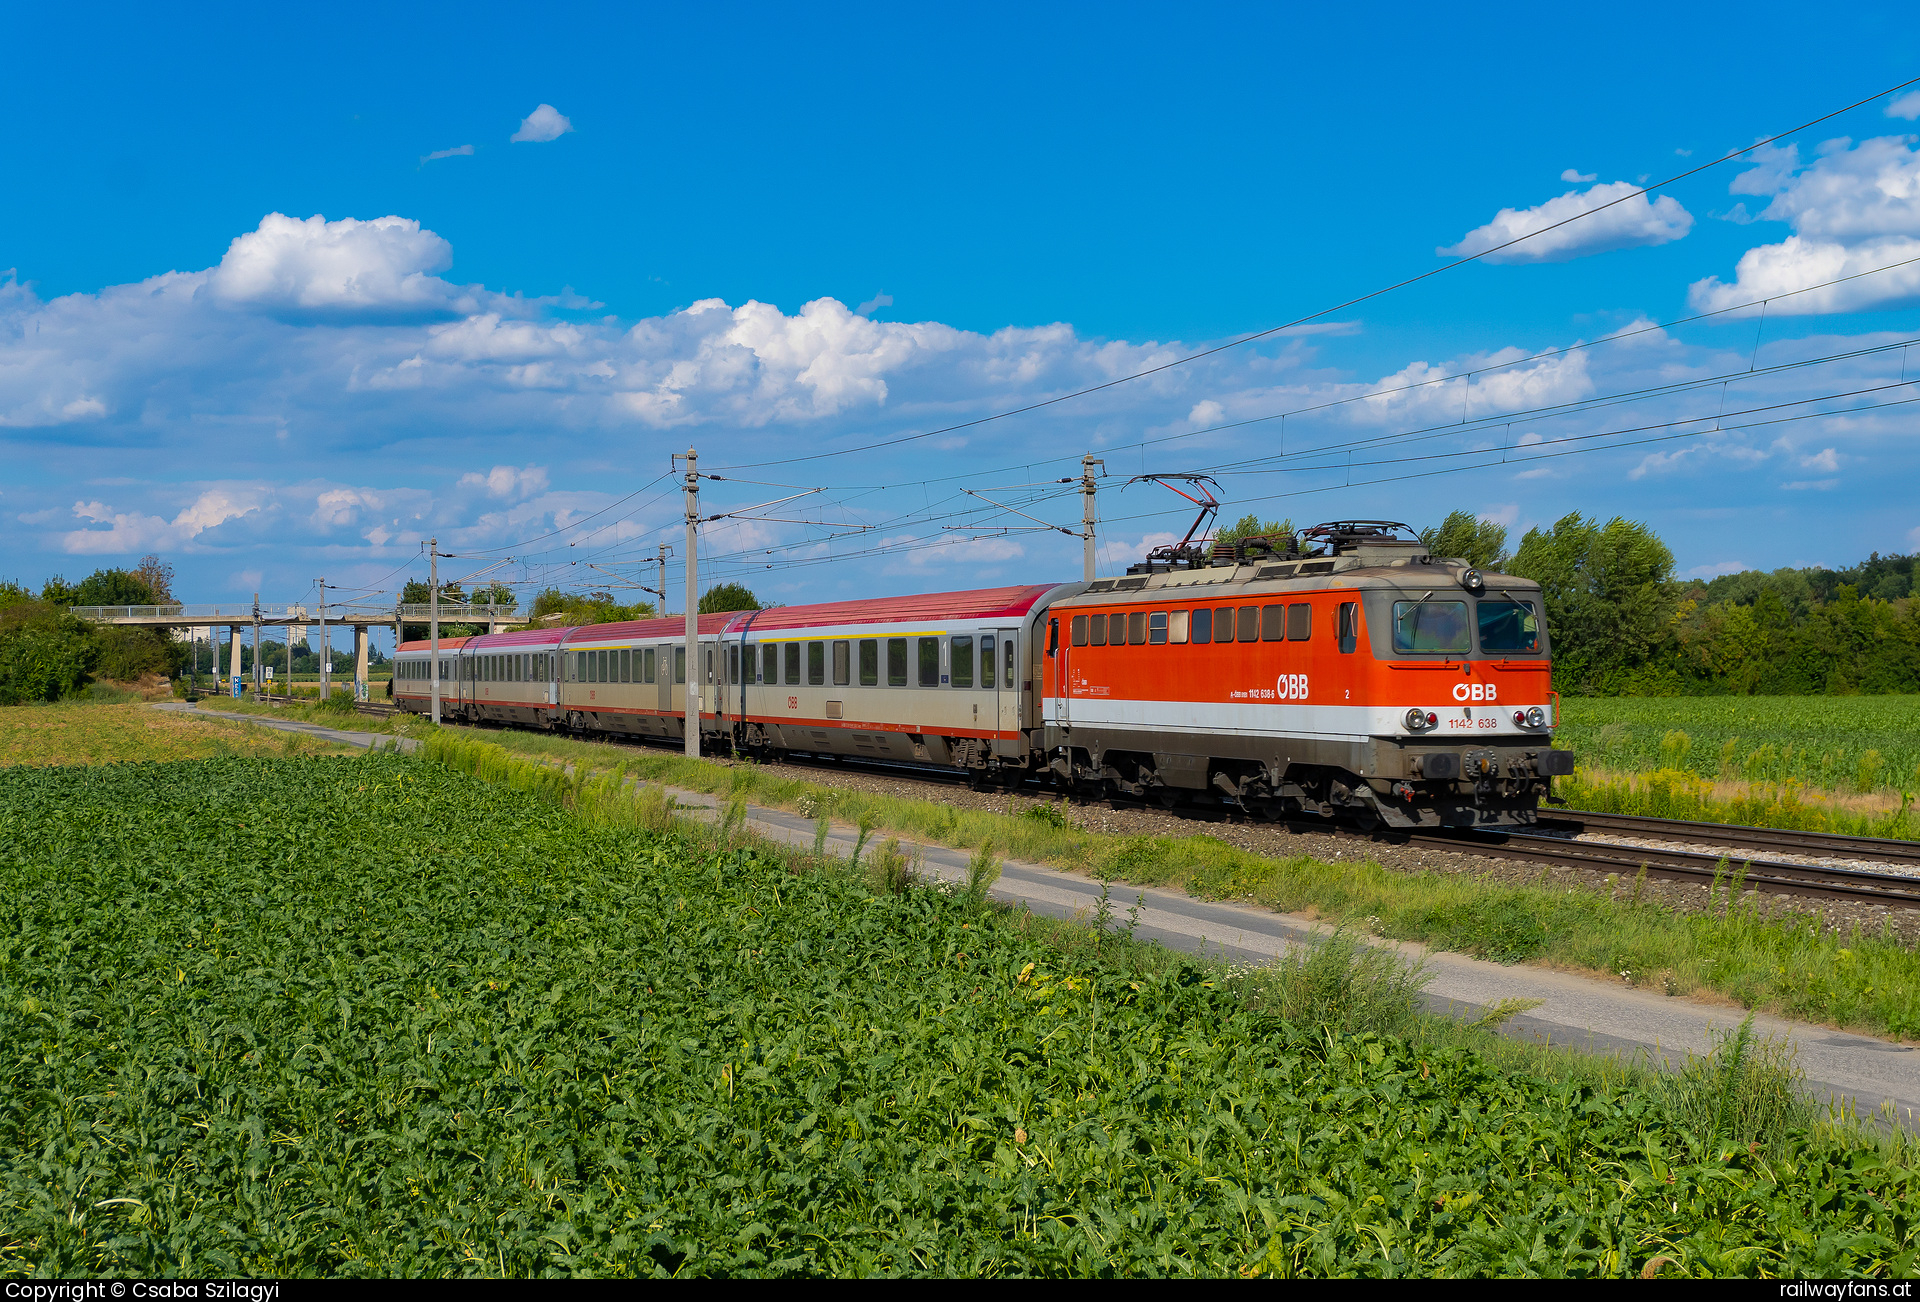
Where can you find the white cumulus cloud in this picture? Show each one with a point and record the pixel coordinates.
(508, 482)
(1907, 106)
(1854, 210)
(1632, 221)
(340, 268)
(543, 124)
(132, 532)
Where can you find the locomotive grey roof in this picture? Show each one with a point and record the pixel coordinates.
(1383, 564)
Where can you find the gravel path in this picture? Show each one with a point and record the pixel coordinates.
(1275, 840)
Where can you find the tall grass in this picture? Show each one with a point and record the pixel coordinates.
(1794, 965)
(1835, 744)
(1678, 793)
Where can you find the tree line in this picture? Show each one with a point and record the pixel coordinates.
(1622, 624)
(46, 653)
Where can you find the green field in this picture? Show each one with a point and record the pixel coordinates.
(370, 1016)
(1835, 744)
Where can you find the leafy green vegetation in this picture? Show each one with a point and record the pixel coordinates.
(110, 732)
(1788, 965)
(1840, 744)
(529, 1025)
(47, 654)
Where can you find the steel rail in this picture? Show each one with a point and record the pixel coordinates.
(1882, 849)
(1894, 890)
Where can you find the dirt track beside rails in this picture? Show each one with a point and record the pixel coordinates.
(1283, 842)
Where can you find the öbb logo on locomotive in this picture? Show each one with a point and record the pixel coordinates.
(1127, 687)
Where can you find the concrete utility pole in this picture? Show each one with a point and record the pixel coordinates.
(233, 649)
(433, 621)
(662, 559)
(1087, 463)
(694, 678)
(326, 652)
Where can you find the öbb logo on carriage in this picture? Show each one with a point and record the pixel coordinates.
(1343, 671)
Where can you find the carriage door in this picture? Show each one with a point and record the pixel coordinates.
(1007, 678)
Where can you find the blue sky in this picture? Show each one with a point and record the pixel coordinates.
(772, 233)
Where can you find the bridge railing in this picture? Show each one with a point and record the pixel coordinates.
(238, 613)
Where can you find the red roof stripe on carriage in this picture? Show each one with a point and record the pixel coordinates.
(641, 629)
(446, 643)
(982, 604)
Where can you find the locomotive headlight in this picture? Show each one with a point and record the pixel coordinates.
(1536, 717)
(1420, 720)
(1472, 581)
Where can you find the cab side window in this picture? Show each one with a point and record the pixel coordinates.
(1299, 621)
(1249, 624)
(1203, 625)
(1099, 626)
(1079, 630)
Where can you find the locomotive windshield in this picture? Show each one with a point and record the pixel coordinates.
(1508, 626)
(1430, 626)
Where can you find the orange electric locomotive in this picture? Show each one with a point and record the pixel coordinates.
(1344, 671)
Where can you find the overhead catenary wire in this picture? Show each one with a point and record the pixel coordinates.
(1355, 301)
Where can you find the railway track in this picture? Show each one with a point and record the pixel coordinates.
(1773, 876)
(1764, 839)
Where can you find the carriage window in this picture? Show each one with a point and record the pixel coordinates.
(579, 667)
(679, 664)
(869, 662)
(986, 661)
(733, 663)
(646, 665)
(708, 661)
(608, 664)
(1177, 626)
(1007, 676)
(962, 651)
(1299, 621)
(1079, 630)
(896, 662)
(1508, 626)
(1249, 623)
(929, 662)
(1430, 626)
(750, 662)
(1203, 625)
(1272, 623)
(1099, 630)
(626, 666)
(790, 653)
(816, 664)
(1157, 628)
(840, 665)
(1117, 630)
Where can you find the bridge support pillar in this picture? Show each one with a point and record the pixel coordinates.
(234, 633)
(360, 689)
